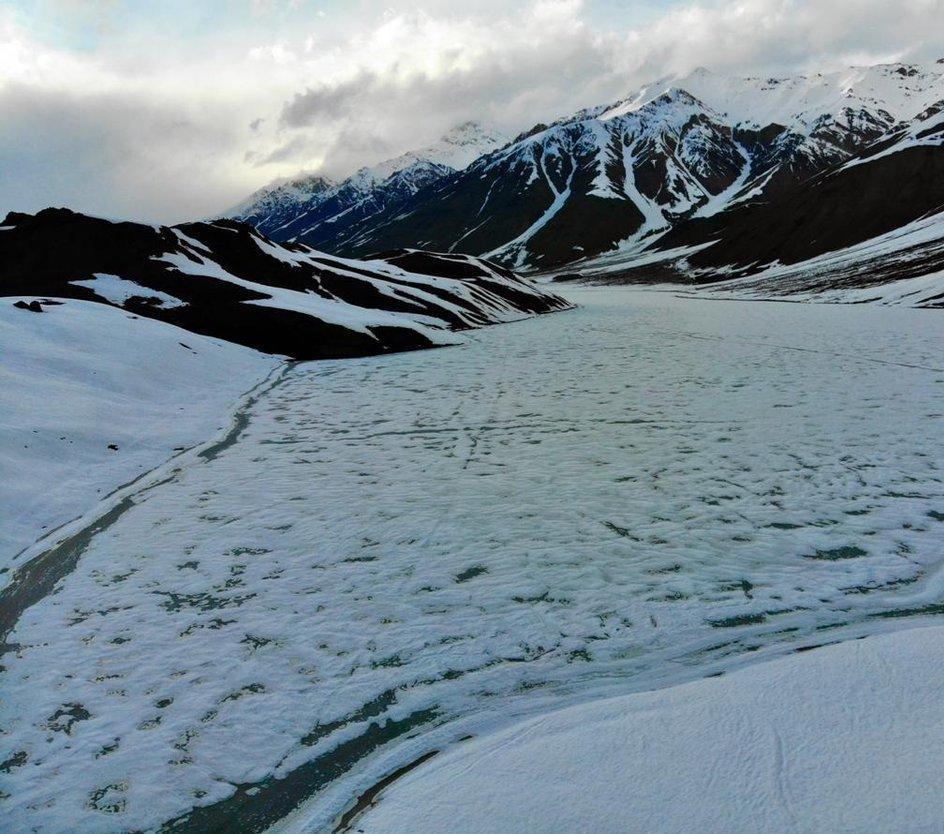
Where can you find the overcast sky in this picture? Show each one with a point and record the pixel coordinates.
(173, 110)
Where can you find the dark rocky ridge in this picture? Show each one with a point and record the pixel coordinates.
(831, 211)
(209, 278)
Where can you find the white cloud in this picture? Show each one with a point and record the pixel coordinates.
(166, 128)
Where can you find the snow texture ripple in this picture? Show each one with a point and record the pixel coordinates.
(400, 550)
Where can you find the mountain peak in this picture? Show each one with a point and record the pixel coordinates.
(463, 143)
(303, 203)
(276, 201)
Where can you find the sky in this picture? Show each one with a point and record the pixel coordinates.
(176, 110)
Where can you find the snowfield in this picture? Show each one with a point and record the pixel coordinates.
(394, 552)
(81, 377)
(856, 274)
(847, 738)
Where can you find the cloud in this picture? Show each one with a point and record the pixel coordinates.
(792, 35)
(326, 101)
(417, 74)
(112, 154)
(165, 125)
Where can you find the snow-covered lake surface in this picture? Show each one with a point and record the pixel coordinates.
(395, 552)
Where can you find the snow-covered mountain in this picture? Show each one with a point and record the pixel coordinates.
(868, 228)
(279, 203)
(611, 178)
(227, 280)
(300, 207)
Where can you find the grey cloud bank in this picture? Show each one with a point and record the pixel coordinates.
(193, 133)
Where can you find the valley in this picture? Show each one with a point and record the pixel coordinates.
(395, 552)
(580, 470)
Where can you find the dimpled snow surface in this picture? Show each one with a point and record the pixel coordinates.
(397, 551)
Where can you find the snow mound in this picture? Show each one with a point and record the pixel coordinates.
(847, 738)
(92, 397)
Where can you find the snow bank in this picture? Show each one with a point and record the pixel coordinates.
(845, 738)
(80, 378)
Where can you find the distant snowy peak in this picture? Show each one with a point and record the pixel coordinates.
(465, 143)
(456, 149)
(901, 91)
(404, 168)
(278, 203)
(301, 205)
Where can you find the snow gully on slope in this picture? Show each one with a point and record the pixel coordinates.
(560, 197)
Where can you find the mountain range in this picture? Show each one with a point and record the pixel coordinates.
(709, 176)
(316, 209)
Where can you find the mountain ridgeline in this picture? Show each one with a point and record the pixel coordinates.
(317, 209)
(738, 173)
(229, 281)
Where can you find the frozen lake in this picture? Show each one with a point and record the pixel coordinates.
(398, 551)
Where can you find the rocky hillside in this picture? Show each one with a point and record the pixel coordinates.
(870, 227)
(227, 280)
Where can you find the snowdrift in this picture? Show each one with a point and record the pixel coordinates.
(92, 397)
(845, 738)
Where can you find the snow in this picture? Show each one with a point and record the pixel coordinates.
(847, 738)
(798, 102)
(636, 494)
(860, 267)
(559, 198)
(688, 124)
(332, 310)
(721, 200)
(118, 290)
(628, 256)
(456, 149)
(280, 203)
(653, 218)
(81, 376)
(488, 307)
(926, 130)
(869, 271)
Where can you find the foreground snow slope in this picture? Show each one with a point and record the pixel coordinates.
(80, 377)
(847, 738)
